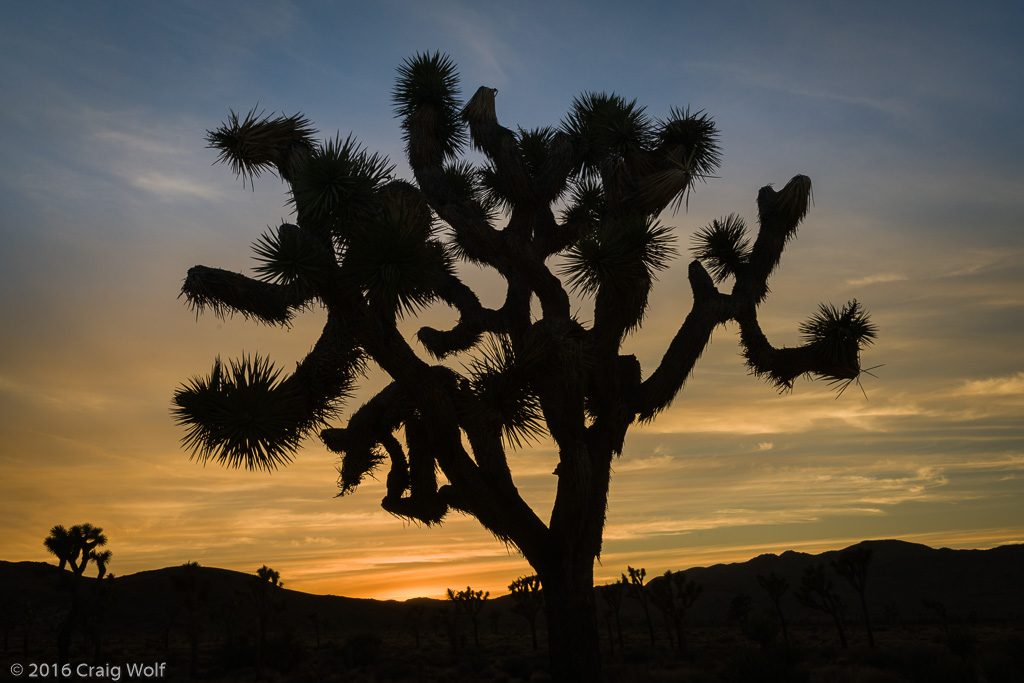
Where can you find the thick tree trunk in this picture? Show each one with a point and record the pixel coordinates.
(571, 610)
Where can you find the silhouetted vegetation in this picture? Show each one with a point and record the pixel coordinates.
(370, 249)
(673, 595)
(818, 592)
(852, 564)
(529, 600)
(776, 587)
(74, 549)
(982, 606)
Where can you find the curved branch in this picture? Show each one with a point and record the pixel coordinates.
(225, 292)
(708, 311)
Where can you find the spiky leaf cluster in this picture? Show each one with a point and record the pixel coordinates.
(619, 253)
(501, 391)
(289, 255)
(254, 143)
(336, 187)
(240, 415)
(722, 246)
(690, 140)
(395, 263)
(426, 98)
(586, 203)
(610, 128)
(840, 334)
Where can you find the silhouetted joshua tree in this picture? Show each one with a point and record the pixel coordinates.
(636, 582)
(818, 592)
(739, 610)
(470, 602)
(371, 250)
(673, 596)
(612, 594)
(776, 587)
(192, 594)
(75, 548)
(852, 564)
(266, 592)
(529, 599)
(414, 615)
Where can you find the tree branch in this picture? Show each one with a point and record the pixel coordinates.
(225, 292)
(708, 311)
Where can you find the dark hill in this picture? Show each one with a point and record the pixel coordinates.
(978, 584)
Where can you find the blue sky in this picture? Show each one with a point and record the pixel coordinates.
(905, 115)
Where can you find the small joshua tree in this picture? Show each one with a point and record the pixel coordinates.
(554, 211)
(776, 587)
(471, 602)
(612, 594)
(529, 599)
(74, 549)
(818, 593)
(636, 582)
(673, 596)
(265, 588)
(192, 592)
(852, 564)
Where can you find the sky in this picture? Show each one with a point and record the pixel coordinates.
(905, 115)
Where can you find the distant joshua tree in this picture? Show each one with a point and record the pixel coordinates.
(556, 212)
(673, 596)
(739, 610)
(612, 594)
(470, 602)
(818, 592)
(529, 599)
(266, 592)
(636, 581)
(414, 615)
(776, 587)
(74, 549)
(192, 594)
(852, 564)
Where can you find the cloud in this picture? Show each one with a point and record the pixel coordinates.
(169, 187)
(875, 279)
(1009, 385)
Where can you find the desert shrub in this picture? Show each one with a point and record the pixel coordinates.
(285, 652)
(363, 649)
(778, 664)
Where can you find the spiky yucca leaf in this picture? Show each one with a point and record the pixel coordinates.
(840, 334)
(586, 202)
(467, 185)
(396, 266)
(289, 255)
(426, 98)
(609, 127)
(687, 144)
(502, 393)
(356, 464)
(535, 145)
(618, 254)
(240, 416)
(255, 143)
(337, 184)
(690, 139)
(722, 246)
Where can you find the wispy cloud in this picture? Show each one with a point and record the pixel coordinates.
(875, 279)
(1008, 385)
